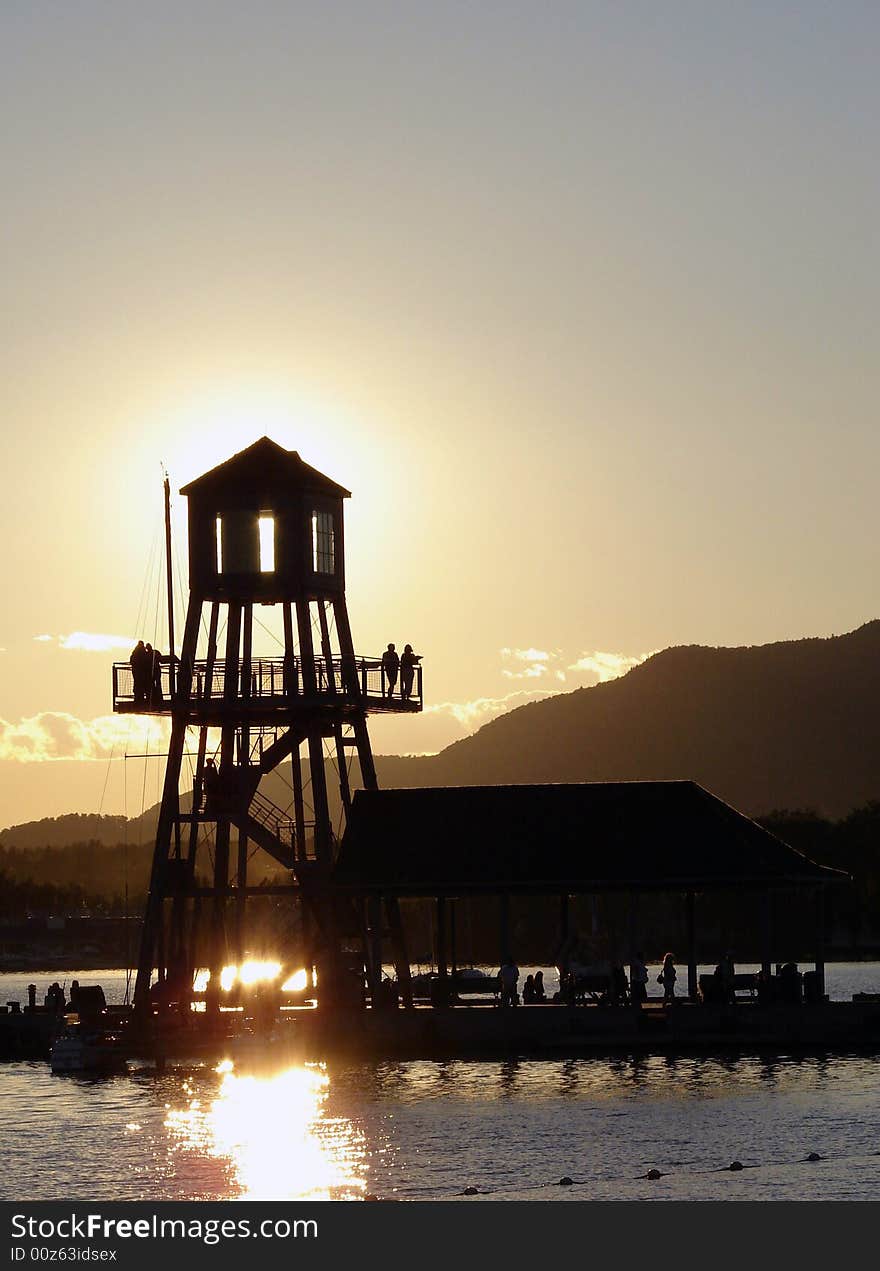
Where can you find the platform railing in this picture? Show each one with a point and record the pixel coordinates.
(275, 680)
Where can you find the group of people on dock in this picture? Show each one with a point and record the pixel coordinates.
(403, 664)
(611, 987)
(146, 673)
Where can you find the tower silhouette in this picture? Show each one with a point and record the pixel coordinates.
(264, 529)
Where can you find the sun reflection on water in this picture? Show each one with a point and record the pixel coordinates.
(275, 1135)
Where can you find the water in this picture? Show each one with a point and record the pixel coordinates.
(428, 1130)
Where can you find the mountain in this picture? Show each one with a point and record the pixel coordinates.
(59, 831)
(789, 725)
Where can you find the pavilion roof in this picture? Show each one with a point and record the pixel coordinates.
(578, 838)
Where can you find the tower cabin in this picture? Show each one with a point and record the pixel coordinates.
(266, 528)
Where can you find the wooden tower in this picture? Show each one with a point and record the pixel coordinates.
(264, 529)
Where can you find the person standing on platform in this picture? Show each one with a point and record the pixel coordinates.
(638, 980)
(140, 673)
(155, 699)
(407, 671)
(509, 978)
(728, 977)
(667, 978)
(211, 788)
(390, 666)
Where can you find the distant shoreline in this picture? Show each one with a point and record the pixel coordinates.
(93, 963)
(88, 962)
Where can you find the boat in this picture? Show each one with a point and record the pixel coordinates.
(464, 980)
(79, 1050)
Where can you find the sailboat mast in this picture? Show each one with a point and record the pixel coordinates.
(170, 586)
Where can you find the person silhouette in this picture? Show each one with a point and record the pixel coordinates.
(140, 673)
(667, 978)
(508, 977)
(407, 671)
(154, 680)
(390, 666)
(638, 979)
(211, 787)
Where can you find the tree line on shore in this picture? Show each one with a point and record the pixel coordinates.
(113, 879)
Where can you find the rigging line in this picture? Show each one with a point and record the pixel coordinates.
(160, 607)
(271, 634)
(178, 578)
(153, 571)
(106, 779)
(180, 599)
(125, 881)
(148, 574)
(144, 786)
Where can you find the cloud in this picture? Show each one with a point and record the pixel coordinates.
(607, 666)
(88, 641)
(472, 715)
(94, 642)
(527, 664)
(533, 664)
(56, 735)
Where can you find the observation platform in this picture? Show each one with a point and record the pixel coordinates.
(271, 688)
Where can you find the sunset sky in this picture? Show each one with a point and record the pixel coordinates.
(579, 300)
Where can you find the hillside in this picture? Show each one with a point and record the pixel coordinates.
(59, 831)
(793, 724)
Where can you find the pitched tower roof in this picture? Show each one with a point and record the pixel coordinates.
(265, 463)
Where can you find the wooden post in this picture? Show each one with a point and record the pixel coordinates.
(504, 925)
(241, 897)
(374, 923)
(244, 744)
(299, 807)
(221, 843)
(169, 811)
(767, 935)
(317, 771)
(564, 921)
(452, 957)
(398, 942)
(633, 941)
(218, 916)
(327, 649)
(289, 686)
(161, 963)
(820, 940)
(442, 969)
(690, 908)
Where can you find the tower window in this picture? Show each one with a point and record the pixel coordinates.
(323, 544)
(218, 541)
(267, 543)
